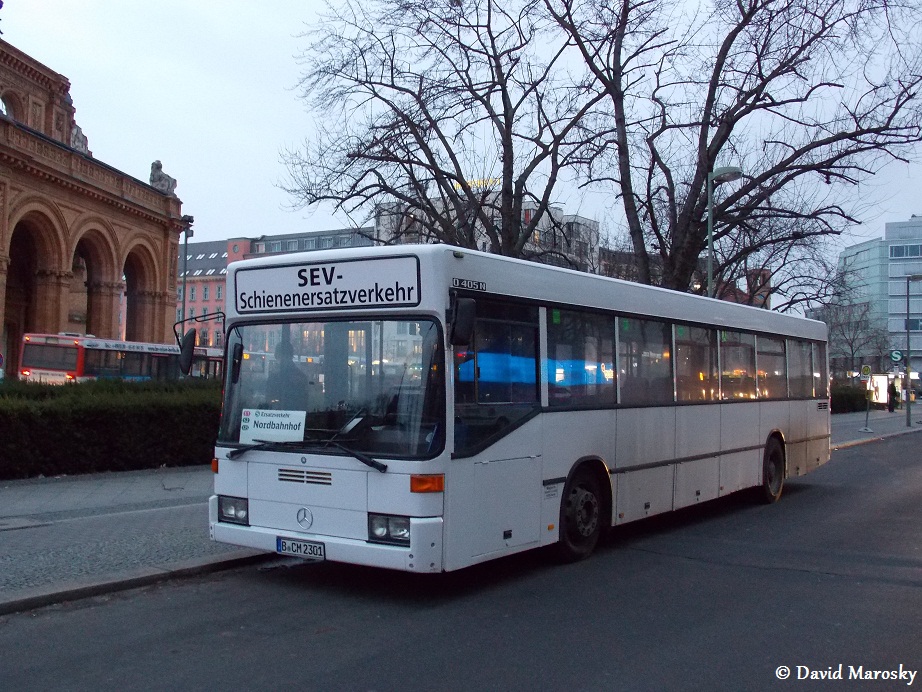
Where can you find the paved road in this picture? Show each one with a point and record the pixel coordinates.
(68, 537)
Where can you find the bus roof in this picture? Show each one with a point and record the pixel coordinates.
(441, 266)
(94, 342)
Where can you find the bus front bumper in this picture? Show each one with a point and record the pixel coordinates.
(423, 555)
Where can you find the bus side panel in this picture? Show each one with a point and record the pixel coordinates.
(508, 495)
(741, 445)
(697, 434)
(696, 481)
(697, 430)
(798, 437)
(644, 493)
(588, 434)
(818, 449)
(645, 436)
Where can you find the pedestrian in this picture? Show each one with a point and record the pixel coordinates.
(891, 396)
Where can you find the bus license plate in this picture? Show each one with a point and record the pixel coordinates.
(308, 550)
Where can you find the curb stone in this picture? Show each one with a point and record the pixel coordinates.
(39, 597)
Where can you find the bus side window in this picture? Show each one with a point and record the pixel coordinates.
(644, 361)
(738, 365)
(771, 368)
(496, 379)
(580, 359)
(820, 373)
(696, 363)
(800, 369)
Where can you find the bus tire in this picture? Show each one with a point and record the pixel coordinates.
(772, 471)
(580, 516)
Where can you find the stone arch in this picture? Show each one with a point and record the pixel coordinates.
(46, 220)
(142, 277)
(97, 286)
(35, 277)
(12, 106)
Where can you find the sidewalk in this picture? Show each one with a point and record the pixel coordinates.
(72, 537)
(849, 429)
(76, 536)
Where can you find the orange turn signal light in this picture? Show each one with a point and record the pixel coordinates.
(214, 465)
(427, 483)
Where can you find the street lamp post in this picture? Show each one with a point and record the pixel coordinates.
(724, 174)
(187, 221)
(909, 279)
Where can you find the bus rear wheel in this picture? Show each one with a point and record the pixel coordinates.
(580, 516)
(772, 471)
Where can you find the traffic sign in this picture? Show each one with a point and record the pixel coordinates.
(896, 356)
(865, 373)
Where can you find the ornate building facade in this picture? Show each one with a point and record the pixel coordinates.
(83, 247)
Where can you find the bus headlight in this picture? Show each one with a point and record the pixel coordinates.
(386, 528)
(234, 510)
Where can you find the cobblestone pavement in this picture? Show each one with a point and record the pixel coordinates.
(69, 537)
(74, 536)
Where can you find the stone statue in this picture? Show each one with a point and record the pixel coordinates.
(160, 180)
(78, 140)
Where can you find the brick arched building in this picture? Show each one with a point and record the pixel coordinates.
(83, 247)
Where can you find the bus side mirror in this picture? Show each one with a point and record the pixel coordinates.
(186, 351)
(236, 360)
(464, 313)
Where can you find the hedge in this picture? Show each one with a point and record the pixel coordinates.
(110, 425)
(848, 398)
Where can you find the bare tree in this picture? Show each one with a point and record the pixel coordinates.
(809, 97)
(447, 117)
(854, 336)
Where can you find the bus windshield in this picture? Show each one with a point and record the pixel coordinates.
(49, 356)
(372, 386)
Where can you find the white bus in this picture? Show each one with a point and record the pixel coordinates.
(427, 408)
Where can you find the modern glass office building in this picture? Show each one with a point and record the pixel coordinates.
(877, 271)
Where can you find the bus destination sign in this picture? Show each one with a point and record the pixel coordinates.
(367, 283)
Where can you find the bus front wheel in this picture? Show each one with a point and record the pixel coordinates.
(772, 471)
(580, 516)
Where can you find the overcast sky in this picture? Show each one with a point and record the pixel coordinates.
(207, 88)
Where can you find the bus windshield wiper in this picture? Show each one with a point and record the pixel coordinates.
(306, 445)
(364, 458)
(268, 444)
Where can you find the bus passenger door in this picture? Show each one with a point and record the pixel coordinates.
(497, 431)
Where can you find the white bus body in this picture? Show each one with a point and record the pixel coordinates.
(580, 402)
